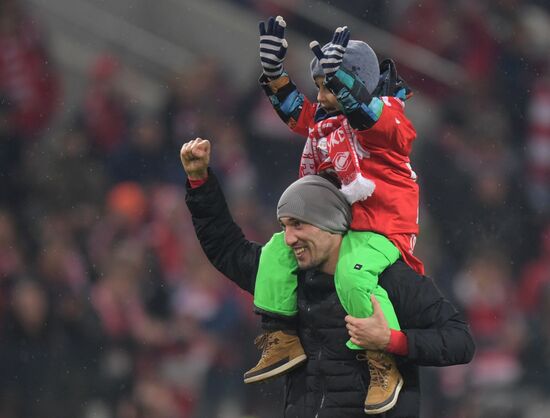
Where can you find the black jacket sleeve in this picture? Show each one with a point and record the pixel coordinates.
(220, 237)
(437, 333)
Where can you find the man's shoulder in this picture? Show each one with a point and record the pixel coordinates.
(400, 277)
(411, 289)
(401, 269)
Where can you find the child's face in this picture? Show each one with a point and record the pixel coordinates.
(326, 99)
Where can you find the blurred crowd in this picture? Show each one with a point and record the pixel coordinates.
(109, 309)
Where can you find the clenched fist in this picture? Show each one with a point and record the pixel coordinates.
(195, 157)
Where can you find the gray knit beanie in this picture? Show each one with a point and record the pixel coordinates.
(360, 59)
(316, 201)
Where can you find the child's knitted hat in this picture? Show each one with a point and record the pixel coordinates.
(360, 59)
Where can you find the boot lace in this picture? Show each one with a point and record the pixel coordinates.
(378, 370)
(266, 342)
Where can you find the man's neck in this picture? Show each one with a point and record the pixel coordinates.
(329, 266)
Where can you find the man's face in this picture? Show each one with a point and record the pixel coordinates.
(312, 247)
(326, 99)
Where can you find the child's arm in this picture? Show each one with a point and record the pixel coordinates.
(360, 107)
(292, 106)
(384, 118)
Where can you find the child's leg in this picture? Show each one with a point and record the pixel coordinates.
(363, 257)
(275, 301)
(276, 281)
(271, 322)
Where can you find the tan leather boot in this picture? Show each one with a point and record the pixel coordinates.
(281, 353)
(385, 382)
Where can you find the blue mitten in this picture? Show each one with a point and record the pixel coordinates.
(331, 58)
(273, 46)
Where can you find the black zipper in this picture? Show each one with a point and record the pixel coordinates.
(323, 386)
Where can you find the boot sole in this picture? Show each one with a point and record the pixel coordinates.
(288, 366)
(386, 406)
